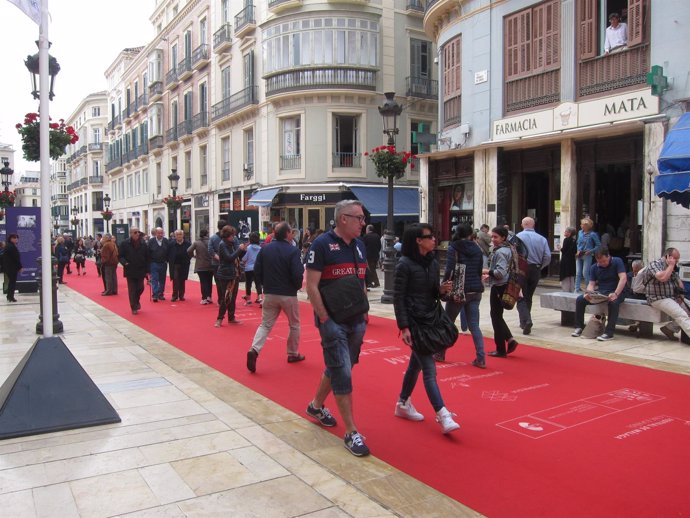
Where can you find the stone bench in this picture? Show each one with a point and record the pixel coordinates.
(632, 309)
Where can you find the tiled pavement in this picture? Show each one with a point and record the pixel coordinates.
(193, 442)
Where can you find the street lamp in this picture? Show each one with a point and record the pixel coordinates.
(390, 110)
(56, 225)
(5, 199)
(75, 220)
(174, 180)
(31, 63)
(106, 206)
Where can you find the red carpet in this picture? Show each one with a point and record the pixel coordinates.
(543, 433)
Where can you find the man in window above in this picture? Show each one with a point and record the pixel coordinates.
(616, 34)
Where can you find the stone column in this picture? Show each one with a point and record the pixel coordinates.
(424, 190)
(569, 210)
(485, 182)
(653, 229)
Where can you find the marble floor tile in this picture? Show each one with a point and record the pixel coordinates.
(192, 447)
(18, 503)
(55, 500)
(146, 397)
(112, 494)
(214, 473)
(166, 483)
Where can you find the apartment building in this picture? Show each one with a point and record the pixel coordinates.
(59, 200)
(85, 164)
(27, 190)
(540, 115)
(267, 108)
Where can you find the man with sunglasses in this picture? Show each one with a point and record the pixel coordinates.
(333, 255)
(134, 257)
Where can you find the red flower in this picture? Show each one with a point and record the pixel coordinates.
(54, 125)
(19, 125)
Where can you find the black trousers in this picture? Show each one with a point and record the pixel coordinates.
(372, 277)
(206, 282)
(11, 285)
(222, 285)
(502, 333)
(524, 304)
(135, 287)
(179, 280)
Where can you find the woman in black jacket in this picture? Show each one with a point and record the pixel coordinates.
(464, 250)
(11, 265)
(567, 270)
(227, 276)
(416, 292)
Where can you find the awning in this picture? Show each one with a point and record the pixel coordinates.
(375, 200)
(673, 182)
(264, 197)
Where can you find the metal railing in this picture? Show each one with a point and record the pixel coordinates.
(171, 77)
(415, 5)
(117, 120)
(96, 179)
(613, 71)
(184, 128)
(171, 135)
(156, 142)
(422, 87)
(98, 146)
(429, 5)
(200, 120)
(321, 77)
(244, 17)
(113, 164)
(155, 88)
(200, 54)
(142, 101)
(347, 160)
(290, 161)
(222, 36)
(142, 149)
(184, 67)
(235, 102)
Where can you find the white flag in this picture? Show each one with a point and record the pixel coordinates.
(32, 8)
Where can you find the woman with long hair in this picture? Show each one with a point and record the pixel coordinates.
(497, 275)
(11, 265)
(80, 256)
(62, 255)
(567, 268)
(465, 250)
(588, 242)
(416, 292)
(202, 265)
(227, 276)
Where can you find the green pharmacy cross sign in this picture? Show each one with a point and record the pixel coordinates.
(657, 80)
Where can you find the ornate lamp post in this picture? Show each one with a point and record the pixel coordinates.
(390, 110)
(31, 64)
(56, 226)
(6, 197)
(174, 180)
(75, 220)
(107, 215)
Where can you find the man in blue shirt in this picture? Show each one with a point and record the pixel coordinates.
(538, 257)
(608, 278)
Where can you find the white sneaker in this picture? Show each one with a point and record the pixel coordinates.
(445, 419)
(407, 411)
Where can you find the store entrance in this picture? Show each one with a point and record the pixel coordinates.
(537, 202)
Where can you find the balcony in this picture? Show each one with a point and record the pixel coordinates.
(96, 180)
(156, 142)
(276, 6)
(422, 87)
(83, 181)
(130, 111)
(615, 71)
(59, 198)
(155, 91)
(290, 162)
(128, 156)
(352, 78)
(349, 1)
(115, 123)
(143, 101)
(244, 21)
(347, 160)
(200, 121)
(529, 92)
(171, 79)
(415, 7)
(235, 102)
(184, 68)
(184, 128)
(222, 38)
(114, 163)
(200, 57)
(171, 135)
(98, 146)
(142, 149)
(72, 186)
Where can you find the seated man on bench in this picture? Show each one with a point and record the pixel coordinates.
(607, 284)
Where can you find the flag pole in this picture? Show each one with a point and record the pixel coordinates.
(44, 132)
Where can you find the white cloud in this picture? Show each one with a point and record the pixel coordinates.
(86, 37)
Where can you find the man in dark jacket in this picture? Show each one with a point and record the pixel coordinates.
(279, 270)
(159, 249)
(179, 264)
(11, 265)
(373, 243)
(134, 257)
(213, 246)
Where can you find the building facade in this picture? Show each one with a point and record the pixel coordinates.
(537, 116)
(265, 110)
(27, 190)
(85, 165)
(59, 199)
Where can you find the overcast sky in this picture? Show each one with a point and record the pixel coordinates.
(87, 36)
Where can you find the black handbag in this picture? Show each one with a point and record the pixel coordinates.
(432, 332)
(345, 297)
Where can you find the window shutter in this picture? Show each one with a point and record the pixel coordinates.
(587, 29)
(635, 22)
(539, 37)
(415, 54)
(552, 35)
(511, 47)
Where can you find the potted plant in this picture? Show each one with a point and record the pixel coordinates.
(60, 135)
(173, 202)
(389, 162)
(107, 214)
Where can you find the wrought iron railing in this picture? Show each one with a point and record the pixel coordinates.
(244, 17)
(155, 88)
(156, 142)
(290, 161)
(171, 135)
(96, 179)
(347, 160)
(422, 87)
(200, 54)
(222, 36)
(235, 102)
(321, 77)
(184, 66)
(171, 77)
(184, 128)
(95, 146)
(200, 120)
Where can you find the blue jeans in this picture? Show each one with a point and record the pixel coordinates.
(614, 306)
(583, 265)
(158, 271)
(341, 345)
(471, 310)
(426, 364)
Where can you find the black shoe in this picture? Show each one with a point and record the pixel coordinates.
(251, 360)
(234, 321)
(527, 329)
(294, 358)
(161, 297)
(181, 299)
(155, 299)
(496, 354)
(11, 300)
(512, 345)
(174, 299)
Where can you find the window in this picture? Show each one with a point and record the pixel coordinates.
(145, 181)
(248, 69)
(420, 66)
(225, 150)
(159, 175)
(225, 11)
(452, 81)
(173, 114)
(592, 30)
(188, 45)
(346, 137)
(137, 183)
(225, 82)
(96, 135)
(203, 169)
(155, 115)
(203, 31)
(173, 57)
(96, 168)
(187, 105)
(248, 152)
(130, 186)
(291, 142)
(188, 169)
(532, 40)
(96, 111)
(121, 188)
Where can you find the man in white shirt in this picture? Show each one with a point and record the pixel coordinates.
(616, 34)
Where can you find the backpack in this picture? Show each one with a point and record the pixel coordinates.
(638, 284)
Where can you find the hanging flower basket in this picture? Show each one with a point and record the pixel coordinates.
(107, 215)
(173, 202)
(389, 162)
(7, 198)
(60, 134)
(2, 214)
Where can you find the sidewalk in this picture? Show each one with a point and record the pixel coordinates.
(194, 442)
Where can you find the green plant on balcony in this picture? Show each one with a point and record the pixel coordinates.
(60, 136)
(173, 202)
(389, 162)
(107, 215)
